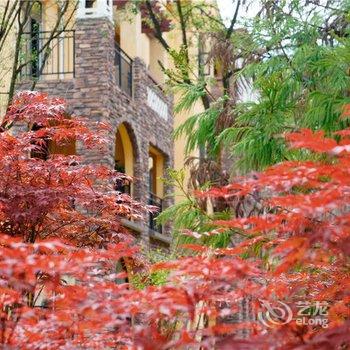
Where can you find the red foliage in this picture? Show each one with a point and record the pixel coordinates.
(147, 25)
(49, 211)
(305, 238)
(60, 238)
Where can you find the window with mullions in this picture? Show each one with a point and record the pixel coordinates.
(35, 24)
(35, 47)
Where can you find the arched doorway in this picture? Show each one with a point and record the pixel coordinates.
(124, 157)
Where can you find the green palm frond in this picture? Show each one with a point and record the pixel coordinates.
(308, 89)
(199, 129)
(190, 94)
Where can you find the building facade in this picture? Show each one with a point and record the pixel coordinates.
(106, 69)
(106, 64)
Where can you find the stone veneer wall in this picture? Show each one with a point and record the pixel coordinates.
(94, 93)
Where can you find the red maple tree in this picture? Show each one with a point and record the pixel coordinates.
(59, 221)
(302, 241)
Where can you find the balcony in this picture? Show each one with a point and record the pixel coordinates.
(157, 202)
(45, 57)
(123, 65)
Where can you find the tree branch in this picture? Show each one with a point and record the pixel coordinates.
(183, 28)
(233, 21)
(158, 31)
(21, 23)
(7, 24)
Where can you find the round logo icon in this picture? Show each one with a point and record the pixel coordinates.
(274, 315)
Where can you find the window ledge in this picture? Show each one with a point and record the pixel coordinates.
(137, 228)
(133, 226)
(159, 236)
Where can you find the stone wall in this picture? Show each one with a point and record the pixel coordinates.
(94, 93)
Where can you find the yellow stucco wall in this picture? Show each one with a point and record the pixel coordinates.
(157, 53)
(146, 49)
(130, 33)
(138, 44)
(174, 40)
(180, 144)
(6, 60)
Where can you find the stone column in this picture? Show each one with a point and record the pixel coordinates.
(94, 56)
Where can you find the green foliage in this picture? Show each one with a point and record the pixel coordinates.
(306, 89)
(190, 216)
(187, 213)
(301, 79)
(190, 94)
(199, 129)
(300, 74)
(141, 280)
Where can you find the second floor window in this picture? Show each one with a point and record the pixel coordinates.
(35, 24)
(46, 54)
(89, 4)
(34, 47)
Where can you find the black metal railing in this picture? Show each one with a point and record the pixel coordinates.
(156, 202)
(123, 65)
(44, 56)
